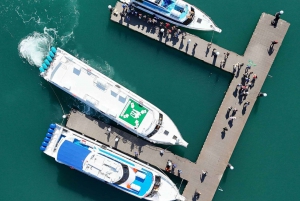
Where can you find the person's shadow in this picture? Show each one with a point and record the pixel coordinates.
(244, 110)
(230, 123)
(181, 44)
(187, 48)
(193, 52)
(227, 114)
(270, 50)
(207, 51)
(215, 59)
(202, 177)
(235, 92)
(274, 23)
(223, 134)
(241, 96)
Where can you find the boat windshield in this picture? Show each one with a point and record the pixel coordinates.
(157, 127)
(125, 175)
(155, 187)
(190, 17)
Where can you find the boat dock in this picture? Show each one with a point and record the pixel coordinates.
(126, 143)
(219, 145)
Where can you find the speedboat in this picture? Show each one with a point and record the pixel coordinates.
(109, 98)
(108, 165)
(177, 12)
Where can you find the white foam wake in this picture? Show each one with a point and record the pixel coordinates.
(35, 47)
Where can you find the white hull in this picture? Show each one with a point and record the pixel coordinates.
(112, 100)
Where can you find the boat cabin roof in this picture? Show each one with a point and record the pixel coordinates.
(100, 92)
(81, 158)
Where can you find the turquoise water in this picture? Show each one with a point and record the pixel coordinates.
(266, 157)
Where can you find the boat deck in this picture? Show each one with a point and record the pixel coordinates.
(218, 146)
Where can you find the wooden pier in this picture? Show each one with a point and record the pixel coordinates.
(127, 143)
(218, 146)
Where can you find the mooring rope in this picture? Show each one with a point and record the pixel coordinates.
(58, 101)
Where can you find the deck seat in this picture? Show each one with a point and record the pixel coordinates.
(135, 187)
(140, 175)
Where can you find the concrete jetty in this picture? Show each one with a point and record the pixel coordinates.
(219, 145)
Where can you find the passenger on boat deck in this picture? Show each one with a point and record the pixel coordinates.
(140, 16)
(149, 20)
(167, 24)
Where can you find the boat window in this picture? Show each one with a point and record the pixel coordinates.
(122, 97)
(125, 175)
(76, 70)
(114, 92)
(100, 83)
(157, 127)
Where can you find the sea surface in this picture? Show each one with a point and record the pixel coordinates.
(266, 158)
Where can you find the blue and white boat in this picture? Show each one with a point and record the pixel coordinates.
(108, 165)
(177, 12)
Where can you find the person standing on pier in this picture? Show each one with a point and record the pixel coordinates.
(273, 43)
(277, 17)
(246, 104)
(136, 154)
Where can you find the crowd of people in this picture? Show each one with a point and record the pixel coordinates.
(164, 27)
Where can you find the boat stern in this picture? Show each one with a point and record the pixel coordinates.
(51, 140)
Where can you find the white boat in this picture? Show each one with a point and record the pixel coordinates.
(110, 98)
(108, 165)
(177, 12)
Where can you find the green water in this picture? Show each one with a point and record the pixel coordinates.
(266, 157)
